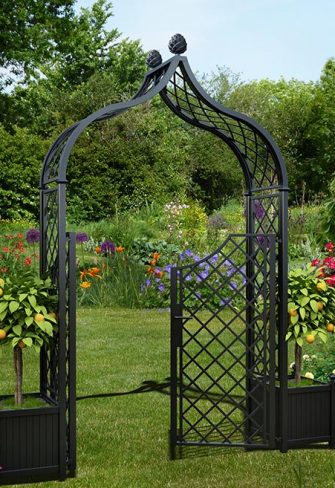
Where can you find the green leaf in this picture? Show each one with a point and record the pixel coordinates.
(304, 291)
(28, 341)
(300, 341)
(302, 312)
(294, 319)
(32, 300)
(3, 315)
(22, 296)
(3, 306)
(29, 321)
(15, 341)
(13, 306)
(314, 306)
(48, 328)
(303, 301)
(17, 329)
(288, 335)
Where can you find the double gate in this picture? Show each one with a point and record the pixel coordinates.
(223, 346)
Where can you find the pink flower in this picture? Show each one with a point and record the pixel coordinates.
(329, 247)
(330, 280)
(329, 262)
(315, 262)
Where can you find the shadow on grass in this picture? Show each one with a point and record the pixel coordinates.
(164, 387)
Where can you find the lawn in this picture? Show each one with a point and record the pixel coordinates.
(123, 438)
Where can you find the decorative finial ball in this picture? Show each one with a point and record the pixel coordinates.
(154, 59)
(177, 44)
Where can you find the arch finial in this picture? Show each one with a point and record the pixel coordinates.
(177, 44)
(154, 59)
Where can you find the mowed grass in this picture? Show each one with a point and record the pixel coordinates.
(123, 439)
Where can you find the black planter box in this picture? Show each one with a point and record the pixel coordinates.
(309, 412)
(29, 444)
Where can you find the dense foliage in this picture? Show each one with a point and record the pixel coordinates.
(59, 65)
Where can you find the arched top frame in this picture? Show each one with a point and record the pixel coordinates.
(259, 156)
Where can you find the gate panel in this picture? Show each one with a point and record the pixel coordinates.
(223, 346)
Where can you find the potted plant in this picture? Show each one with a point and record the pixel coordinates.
(28, 423)
(311, 310)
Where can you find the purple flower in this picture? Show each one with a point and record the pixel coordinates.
(32, 236)
(262, 240)
(107, 247)
(148, 282)
(198, 295)
(228, 263)
(168, 268)
(81, 237)
(161, 287)
(259, 210)
(231, 271)
(214, 259)
(232, 285)
(188, 253)
(188, 277)
(203, 275)
(196, 258)
(225, 301)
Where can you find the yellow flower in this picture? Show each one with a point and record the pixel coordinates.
(119, 249)
(85, 284)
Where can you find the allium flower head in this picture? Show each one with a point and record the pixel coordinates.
(33, 236)
(81, 237)
(107, 247)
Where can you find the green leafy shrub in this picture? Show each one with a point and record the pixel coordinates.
(311, 306)
(27, 318)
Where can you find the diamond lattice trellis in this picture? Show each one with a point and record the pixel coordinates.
(226, 335)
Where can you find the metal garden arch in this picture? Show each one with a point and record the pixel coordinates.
(201, 419)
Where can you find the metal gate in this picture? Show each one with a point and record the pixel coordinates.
(223, 346)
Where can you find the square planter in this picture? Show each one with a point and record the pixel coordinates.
(309, 412)
(29, 444)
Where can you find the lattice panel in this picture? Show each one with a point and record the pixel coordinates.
(225, 341)
(253, 146)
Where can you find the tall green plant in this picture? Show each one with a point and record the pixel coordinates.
(27, 319)
(311, 307)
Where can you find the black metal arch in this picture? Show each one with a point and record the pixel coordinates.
(266, 215)
(257, 152)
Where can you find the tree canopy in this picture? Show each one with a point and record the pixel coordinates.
(62, 65)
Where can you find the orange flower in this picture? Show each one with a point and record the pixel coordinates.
(119, 249)
(20, 236)
(150, 270)
(83, 273)
(85, 284)
(94, 271)
(152, 262)
(160, 274)
(5, 249)
(156, 255)
(98, 249)
(27, 261)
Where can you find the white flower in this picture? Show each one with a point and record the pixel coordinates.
(333, 372)
(292, 365)
(305, 357)
(310, 376)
